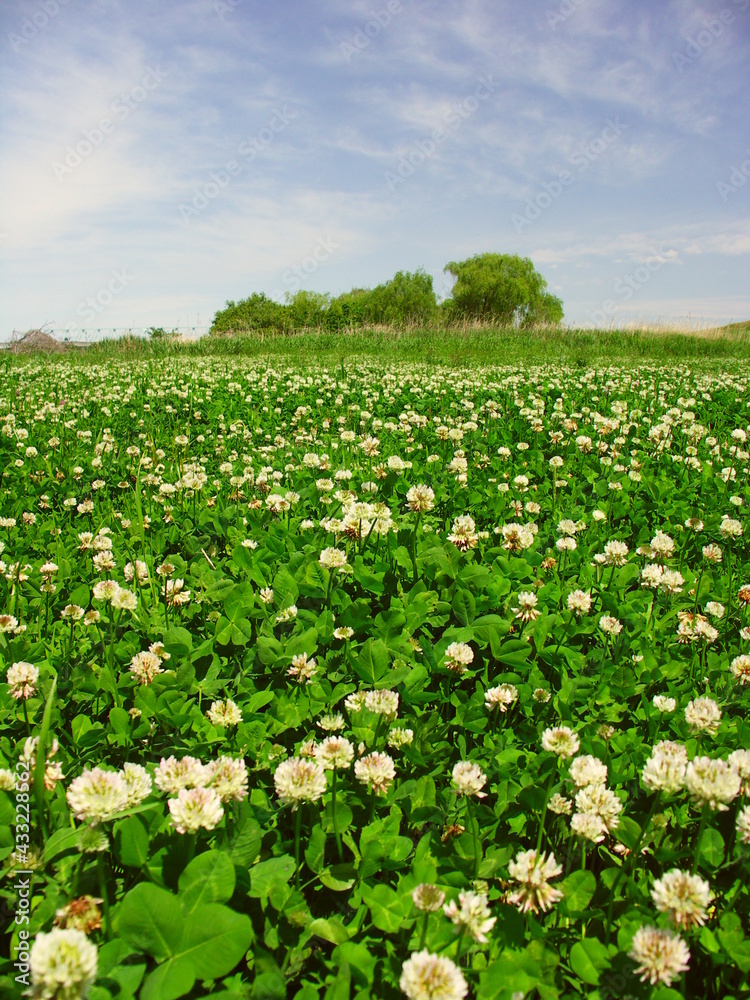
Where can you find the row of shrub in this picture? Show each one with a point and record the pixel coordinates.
(489, 287)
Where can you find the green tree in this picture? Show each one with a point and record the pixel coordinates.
(257, 312)
(503, 288)
(406, 298)
(308, 310)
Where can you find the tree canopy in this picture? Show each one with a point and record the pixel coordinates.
(504, 288)
(496, 288)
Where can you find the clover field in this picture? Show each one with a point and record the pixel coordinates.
(374, 680)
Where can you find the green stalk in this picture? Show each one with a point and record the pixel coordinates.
(103, 892)
(697, 591)
(423, 935)
(297, 831)
(543, 815)
(414, 550)
(618, 879)
(701, 828)
(336, 833)
(41, 760)
(461, 941)
(474, 834)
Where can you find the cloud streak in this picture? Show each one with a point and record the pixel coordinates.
(101, 171)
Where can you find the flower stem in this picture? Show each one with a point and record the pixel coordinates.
(460, 945)
(474, 835)
(701, 828)
(634, 854)
(336, 833)
(105, 897)
(423, 935)
(543, 815)
(297, 830)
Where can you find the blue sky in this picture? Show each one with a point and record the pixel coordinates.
(162, 156)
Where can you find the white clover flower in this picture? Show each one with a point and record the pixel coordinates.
(589, 826)
(428, 898)
(740, 761)
(7, 779)
(138, 782)
(228, 778)
(8, 624)
(579, 602)
(334, 753)
(683, 897)
(458, 656)
(124, 600)
(63, 965)
(22, 679)
(331, 723)
(472, 912)
(559, 805)
(377, 771)
(382, 702)
(661, 956)
(609, 625)
(740, 667)
(501, 697)
(432, 977)
(730, 528)
(703, 715)
(588, 770)
(662, 545)
(712, 783)
(303, 668)
(532, 872)
(468, 779)
(420, 498)
(332, 558)
(743, 825)
(172, 774)
(355, 702)
(602, 802)
(615, 552)
(298, 780)
(665, 769)
(399, 737)
(97, 795)
(105, 590)
(516, 537)
(651, 575)
(286, 614)
(561, 740)
(463, 533)
(196, 809)
(224, 713)
(671, 582)
(664, 704)
(566, 544)
(527, 610)
(145, 666)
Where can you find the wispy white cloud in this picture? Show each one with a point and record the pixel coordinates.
(348, 122)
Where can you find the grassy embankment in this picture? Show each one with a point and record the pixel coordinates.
(452, 347)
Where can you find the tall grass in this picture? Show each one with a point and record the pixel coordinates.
(467, 346)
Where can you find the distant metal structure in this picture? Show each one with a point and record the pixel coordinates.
(77, 337)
